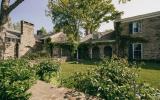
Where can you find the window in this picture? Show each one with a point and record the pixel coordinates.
(137, 51)
(8, 39)
(136, 27)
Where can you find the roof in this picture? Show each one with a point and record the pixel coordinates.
(98, 37)
(59, 37)
(13, 34)
(140, 17)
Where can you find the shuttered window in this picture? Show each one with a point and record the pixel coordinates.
(137, 27)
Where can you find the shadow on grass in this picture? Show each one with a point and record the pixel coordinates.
(86, 62)
(151, 65)
(144, 64)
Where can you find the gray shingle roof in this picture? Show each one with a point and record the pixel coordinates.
(100, 36)
(13, 34)
(139, 17)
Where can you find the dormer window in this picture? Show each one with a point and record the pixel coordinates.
(136, 27)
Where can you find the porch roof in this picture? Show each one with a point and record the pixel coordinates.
(13, 34)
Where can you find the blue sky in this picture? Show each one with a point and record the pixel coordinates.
(34, 11)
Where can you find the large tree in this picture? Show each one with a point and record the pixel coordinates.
(71, 16)
(6, 8)
(88, 14)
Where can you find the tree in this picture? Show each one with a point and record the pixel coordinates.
(6, 9)
(73, 15)
(123, 1)
(43, 31)
(89, 13)
(16, 26)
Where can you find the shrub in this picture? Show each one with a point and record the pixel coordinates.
(46, 69)
(16, 77)
(33, 56)
(111, 80)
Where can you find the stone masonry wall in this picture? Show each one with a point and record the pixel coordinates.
(150, 31)
(10, 50)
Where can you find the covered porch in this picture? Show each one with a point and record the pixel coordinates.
(97, 49)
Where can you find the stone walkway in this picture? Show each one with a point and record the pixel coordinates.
(45, 91)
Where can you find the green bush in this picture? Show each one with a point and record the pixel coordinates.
(113, 79)
(33, 56)
(16, 77)
(46, 69)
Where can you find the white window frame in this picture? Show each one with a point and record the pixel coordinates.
(133, 45)
(139, 26)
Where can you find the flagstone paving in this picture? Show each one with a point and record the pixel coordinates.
(46, 91)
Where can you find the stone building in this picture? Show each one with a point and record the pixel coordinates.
(92, 46)
(104, 44)
(98, 45)
(146, 26)
(15, 44)
(57, 39)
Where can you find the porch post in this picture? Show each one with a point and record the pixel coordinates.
(77, 55)
(61, 53)
(101, 47)
(91, 52)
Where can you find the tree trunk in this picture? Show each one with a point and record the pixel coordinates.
(4, 13)
(5, 10)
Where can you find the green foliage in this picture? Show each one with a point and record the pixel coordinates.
(124, 1)
(46, 69)
(113, 79)
(71, 15)
(16, 77)
(43, 31)
(36, 55)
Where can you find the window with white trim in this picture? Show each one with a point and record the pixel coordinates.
(136, 27)
(137, 51)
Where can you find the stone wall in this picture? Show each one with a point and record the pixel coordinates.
(10, 50)
(150, 31)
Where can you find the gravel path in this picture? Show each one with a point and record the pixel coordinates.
(45, 91)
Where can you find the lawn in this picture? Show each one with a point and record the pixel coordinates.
(150, 72)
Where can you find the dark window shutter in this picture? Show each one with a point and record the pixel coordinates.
(130, 28)
(130, 52)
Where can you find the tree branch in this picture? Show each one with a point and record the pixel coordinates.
(14, 5)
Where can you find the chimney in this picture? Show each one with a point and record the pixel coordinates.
(27, 28)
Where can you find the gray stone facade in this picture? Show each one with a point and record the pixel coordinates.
(15, 44)
(150, 31)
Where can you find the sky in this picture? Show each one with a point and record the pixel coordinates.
(34, 11)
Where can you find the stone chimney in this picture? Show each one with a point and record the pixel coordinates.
(27, 39)
(27, 28)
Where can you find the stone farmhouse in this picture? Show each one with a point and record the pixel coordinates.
(15, 44)
(146, 26)
(93, 46)
(103, 49)
(100, 45)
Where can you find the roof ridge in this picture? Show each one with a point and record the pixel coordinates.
(142, 16)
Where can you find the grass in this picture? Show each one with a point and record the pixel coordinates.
(149, 73)
(69, 68)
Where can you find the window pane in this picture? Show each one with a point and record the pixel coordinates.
(137, 26)
(137, 50)
(137, 47)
